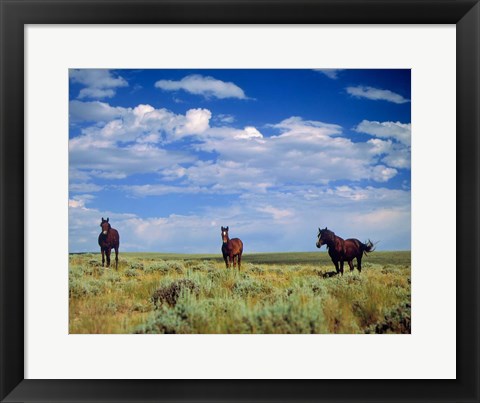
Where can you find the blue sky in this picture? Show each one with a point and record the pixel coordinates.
(170, 156)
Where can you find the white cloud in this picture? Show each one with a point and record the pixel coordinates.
(330, 73)
(295, 126)
(284, 184)
(224, 118)
(196, 121)
(308, 152)
(380, 214)
(129, 143)
(99, 83)
(164, 234)
(276, 213)
(380, 146)
(286, 218)
(84, 187)
(97, 93)
(113, 162)
(77, 175)
(76, 203)
(249, 132)
(96, 78)
(398, 152)
(205, 86)
(304, 152)
(225, 176)
(376, 94)
(381, 173)
(216, 135)
(399, 157)
(394, 130)
(80, 200)
(143, 124)
(385, 218)
(161, 190)
(94, 111)
(350, 193)
(282, 181)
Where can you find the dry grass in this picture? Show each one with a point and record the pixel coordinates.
(273, 293)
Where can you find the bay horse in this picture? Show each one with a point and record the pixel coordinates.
(231, 248)
(341, 250)
(108, 240)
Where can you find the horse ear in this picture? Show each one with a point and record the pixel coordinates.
(227, 228)
(325, 227)
(107, 219)
(103, 219)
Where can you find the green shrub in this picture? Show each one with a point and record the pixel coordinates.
(140, 307)
(161, 267)
(112, 277)
(164, 321)
(86, 287)
(165, 267)
(205, 267)
(95, 263)
(255, 269)
(131, 272)
(176, 265)
(250, 287)
(136, 266)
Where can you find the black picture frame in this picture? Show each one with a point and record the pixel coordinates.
(15, 14)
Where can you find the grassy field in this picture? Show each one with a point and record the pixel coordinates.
(273, 293)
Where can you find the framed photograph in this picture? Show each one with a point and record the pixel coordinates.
(199, 214)
(239, 201)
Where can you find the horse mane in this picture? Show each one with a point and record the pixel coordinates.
(330, 234)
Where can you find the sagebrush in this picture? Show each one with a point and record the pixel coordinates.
(273, 293)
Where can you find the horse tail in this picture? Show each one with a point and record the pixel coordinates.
(368, 247)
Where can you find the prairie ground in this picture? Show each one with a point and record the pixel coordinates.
(272, 293)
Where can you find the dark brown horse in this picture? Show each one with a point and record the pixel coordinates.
(231, 248)
(108, 240)
(341, 250)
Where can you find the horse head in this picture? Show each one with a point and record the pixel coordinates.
(105, 226)
(225, 234)
(325, 236)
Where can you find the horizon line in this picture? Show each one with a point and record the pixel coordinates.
(215, 253)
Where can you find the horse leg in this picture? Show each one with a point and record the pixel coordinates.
(108, 251)
(225, 257)
(103, 257)
(350, 263)
(359, 263)
(341, 266)
(239, 258)
(116, 258)
(335, 262)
